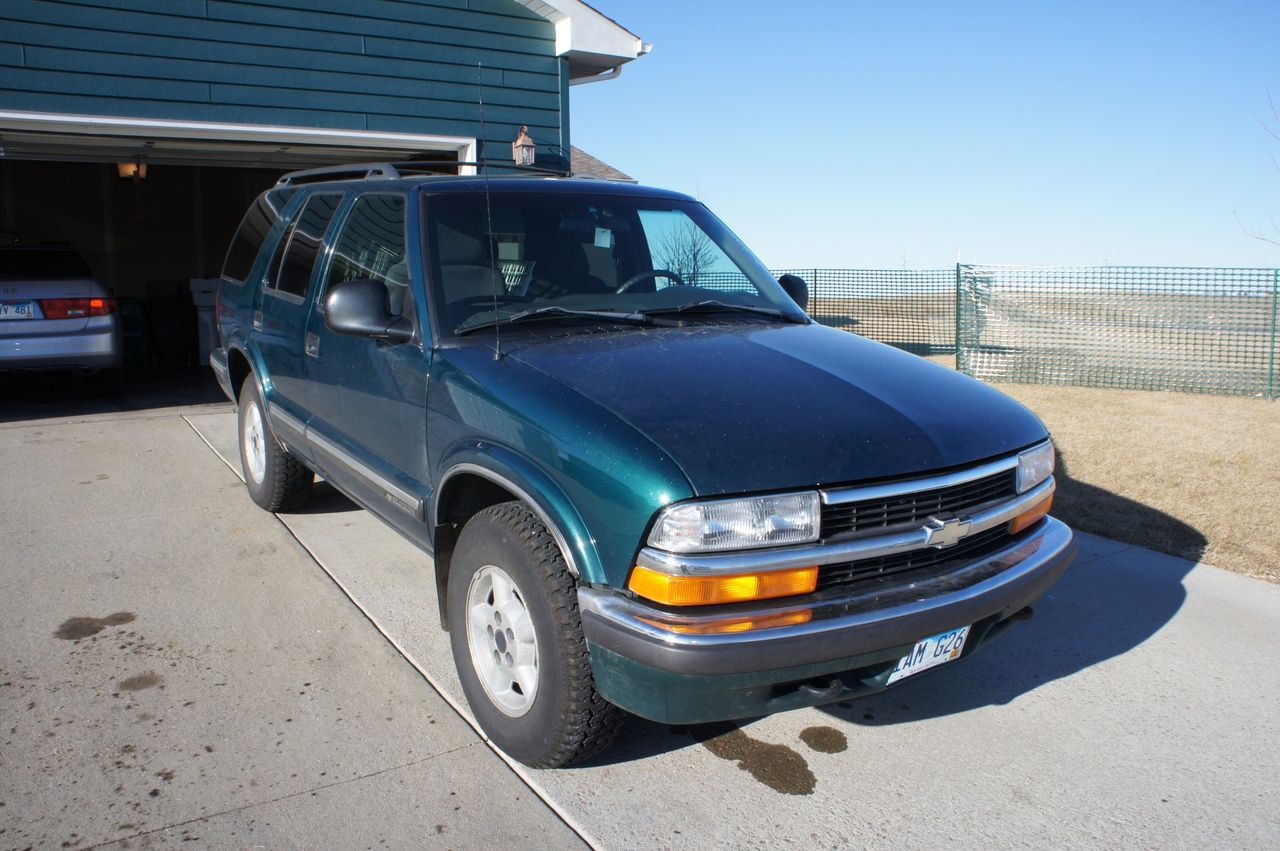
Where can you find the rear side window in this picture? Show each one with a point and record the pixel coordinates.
(306, 236)
(371, 246)
(253, 231)
(40, 263)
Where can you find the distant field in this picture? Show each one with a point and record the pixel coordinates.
(1193, 476)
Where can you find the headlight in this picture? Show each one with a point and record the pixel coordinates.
(737, 524)
(1034, 466)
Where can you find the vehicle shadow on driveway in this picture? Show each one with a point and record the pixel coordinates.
(326, 499)
(1109, 602)
(37, 396)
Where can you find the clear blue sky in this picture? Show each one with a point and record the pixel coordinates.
(886, 134)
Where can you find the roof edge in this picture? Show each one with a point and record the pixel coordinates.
(592, 42)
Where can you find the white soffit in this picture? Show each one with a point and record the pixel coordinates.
(39, 135)
(593, 43)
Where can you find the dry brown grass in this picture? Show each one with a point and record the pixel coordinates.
(1194, 476)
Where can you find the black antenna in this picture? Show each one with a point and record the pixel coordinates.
(488, 212)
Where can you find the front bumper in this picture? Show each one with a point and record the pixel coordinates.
(676, 668)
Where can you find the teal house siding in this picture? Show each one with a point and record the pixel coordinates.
(406, 66)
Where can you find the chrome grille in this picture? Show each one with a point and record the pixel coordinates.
(936, 561)
(914, 508)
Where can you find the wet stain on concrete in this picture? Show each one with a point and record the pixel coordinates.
(779, 767)
(824, 739)
(73, 629)
(141, 681)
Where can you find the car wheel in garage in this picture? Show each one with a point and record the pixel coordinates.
(276, 480)
(518, 645)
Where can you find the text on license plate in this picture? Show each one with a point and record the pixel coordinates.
(931, 652)
(17, 310)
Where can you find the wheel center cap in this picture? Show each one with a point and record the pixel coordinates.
(501, 640)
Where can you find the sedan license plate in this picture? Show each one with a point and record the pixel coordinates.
(931, 652)
(17, 310)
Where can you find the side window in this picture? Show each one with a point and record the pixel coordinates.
(372, 245)
(305, 238)
(253, 231)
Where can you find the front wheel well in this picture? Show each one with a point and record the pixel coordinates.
(462, 497)
(238, 369)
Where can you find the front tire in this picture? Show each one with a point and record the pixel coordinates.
(518, 645)
(275, 479)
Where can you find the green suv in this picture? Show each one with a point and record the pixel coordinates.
(646, 480)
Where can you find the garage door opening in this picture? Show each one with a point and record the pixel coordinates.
(152, 240)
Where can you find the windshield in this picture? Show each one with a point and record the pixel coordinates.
(579, 253)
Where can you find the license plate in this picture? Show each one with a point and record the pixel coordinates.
(17, 310)
(930, 653)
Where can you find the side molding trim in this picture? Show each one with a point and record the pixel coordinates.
(396, 495)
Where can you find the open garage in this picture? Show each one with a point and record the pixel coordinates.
(137, 133)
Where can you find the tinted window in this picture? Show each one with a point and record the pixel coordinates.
(372, 246)
(305, 239)
(253, 231)
(28, 263)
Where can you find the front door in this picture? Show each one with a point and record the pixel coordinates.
(368, 397)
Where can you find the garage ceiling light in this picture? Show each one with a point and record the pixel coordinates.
(136, 170)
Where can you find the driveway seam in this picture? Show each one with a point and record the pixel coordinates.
(268, 801)
(113, 417)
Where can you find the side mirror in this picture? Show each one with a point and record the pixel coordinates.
(360, 308)
(797, 289)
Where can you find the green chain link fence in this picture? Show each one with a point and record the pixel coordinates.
(911, 309)
(1193, 330)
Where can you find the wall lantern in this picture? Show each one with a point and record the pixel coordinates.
(523, 150)
(136, 170)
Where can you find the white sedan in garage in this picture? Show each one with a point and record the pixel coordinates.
(53, 315)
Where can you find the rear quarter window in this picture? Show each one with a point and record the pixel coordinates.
(40, 264)
(257, 223)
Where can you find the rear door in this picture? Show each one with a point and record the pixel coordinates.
(280, 320)
(368, 397)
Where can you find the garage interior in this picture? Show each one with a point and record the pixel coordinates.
(152, 217)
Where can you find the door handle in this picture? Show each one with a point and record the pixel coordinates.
(257, 320)
(311, 344)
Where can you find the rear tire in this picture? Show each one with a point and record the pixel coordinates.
(518, 645)
(275, 479)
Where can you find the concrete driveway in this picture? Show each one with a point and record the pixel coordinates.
(178, 663)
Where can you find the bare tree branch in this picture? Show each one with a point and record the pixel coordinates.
(686, 251)
(1274, 134)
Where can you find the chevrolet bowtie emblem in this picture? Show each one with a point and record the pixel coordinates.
(943, 532)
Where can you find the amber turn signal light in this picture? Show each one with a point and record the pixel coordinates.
(1027, 518)
(731, 588)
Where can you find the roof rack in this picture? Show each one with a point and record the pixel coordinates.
(398, 170)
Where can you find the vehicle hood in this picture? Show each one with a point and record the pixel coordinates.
(749, 408)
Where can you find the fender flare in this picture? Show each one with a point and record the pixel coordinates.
(532, 485)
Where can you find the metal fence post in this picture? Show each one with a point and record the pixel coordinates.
(1275, 298)
(959, 285)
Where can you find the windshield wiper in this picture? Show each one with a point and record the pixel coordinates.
(714, 306)
(554, 312)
